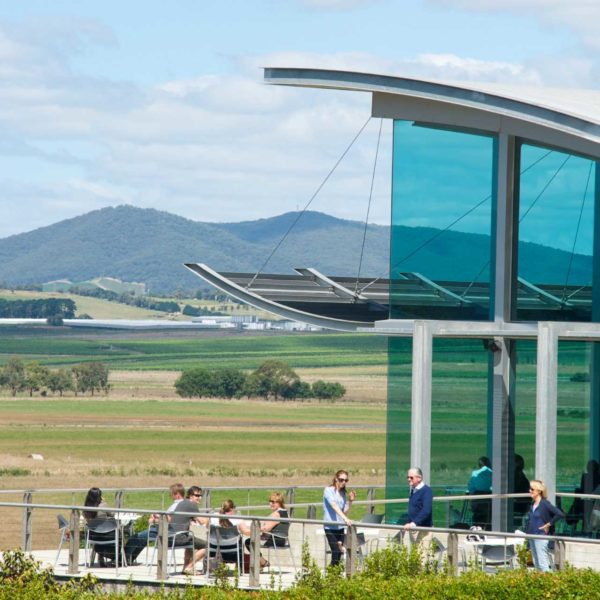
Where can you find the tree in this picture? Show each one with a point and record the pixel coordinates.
(36, 377)
(60, 381)
(230, 382)
(328, 390)
(273, 378)
(197, 382)
(90, 377)
(14, 375)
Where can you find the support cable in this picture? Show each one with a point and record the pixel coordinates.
(440, 232)
(308, 204)
(362, 249)
(525, 213)
(587, 183)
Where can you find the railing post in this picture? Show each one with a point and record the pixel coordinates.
(206, 498)
(351, 550)
(559, 554)
(290, 499)
(452, 553)
(255, 554)
(27, 516)
(311, 512)
(74, 520)
(162, 548)
(370, 498)
(119, 494)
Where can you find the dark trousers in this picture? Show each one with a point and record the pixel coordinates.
(333, 537)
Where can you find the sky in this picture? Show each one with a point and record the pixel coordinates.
(162, 105)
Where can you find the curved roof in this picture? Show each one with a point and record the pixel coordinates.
(574, 113)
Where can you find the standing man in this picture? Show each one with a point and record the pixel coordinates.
(420, 505)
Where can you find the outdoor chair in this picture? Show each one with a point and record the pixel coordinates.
(374, 519)
(497, 556)
(279, 537)
(223, 541)
(63, 527)
(103, 534)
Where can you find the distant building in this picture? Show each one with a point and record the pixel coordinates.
(111, 284)
(58, 285)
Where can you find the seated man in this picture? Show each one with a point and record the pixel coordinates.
(480, 482)
(181, 523)
(139, 541)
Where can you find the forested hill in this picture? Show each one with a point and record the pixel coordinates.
(151, 246)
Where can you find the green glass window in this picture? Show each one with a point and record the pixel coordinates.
(442, 191)
(557, 195)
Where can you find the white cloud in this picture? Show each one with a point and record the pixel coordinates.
(581, 16)
(213, 147)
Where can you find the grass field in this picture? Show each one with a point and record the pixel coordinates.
(142, 434)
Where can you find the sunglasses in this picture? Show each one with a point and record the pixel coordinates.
(342, 480)
(197, 495)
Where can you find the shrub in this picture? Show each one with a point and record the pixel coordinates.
(324, 390)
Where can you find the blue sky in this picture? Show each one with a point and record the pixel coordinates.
(161, 105)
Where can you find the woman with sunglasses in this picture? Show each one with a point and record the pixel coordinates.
(336, 505)
(542, 516)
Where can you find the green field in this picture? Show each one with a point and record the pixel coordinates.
(169, 351)
(142, 434)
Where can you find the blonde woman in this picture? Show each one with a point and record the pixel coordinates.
(542, 516)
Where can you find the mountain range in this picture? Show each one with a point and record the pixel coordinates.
(150, 246)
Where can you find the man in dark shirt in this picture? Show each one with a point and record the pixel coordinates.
(420, 505)
(179, 526)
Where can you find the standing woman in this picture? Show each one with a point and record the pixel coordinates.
(336, 504)
(542, 516)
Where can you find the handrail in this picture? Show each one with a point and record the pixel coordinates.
(352, 547)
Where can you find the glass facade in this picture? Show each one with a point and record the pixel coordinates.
(557, 193)
(441, 267)
(442, 190)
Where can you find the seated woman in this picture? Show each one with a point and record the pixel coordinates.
(274, 532)
(228, 521)
(95, 499)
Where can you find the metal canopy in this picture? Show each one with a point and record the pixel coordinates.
(348, 304)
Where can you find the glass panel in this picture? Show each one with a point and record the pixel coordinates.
(398, 424)
(442, 189)
(573, 430)
(556, 235)
(525, 401)
(459, 428)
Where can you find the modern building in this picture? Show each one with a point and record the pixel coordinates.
(519, 169)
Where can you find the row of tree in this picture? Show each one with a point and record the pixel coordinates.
(128, 298)
(40, 308)
(274, 380)
(32, 377)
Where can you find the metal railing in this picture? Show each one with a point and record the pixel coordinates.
(352, 546)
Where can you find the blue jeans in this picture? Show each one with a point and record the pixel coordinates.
(136, 543)
(540, 554)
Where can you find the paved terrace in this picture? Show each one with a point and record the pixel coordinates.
(456, 547)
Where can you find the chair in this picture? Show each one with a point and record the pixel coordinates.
(370, 518)
(223, 541)
(279, 537)
(63, 527)
(103, 532)
(497, 555)
(182, 540)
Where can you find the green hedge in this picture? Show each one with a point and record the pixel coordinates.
(393, 573)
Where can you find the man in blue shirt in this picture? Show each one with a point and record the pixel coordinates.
(420, 505)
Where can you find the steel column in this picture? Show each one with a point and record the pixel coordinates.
(546, 402)
(420, 429)
(503, 435)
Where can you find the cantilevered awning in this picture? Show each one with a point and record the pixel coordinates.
(350, 304)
